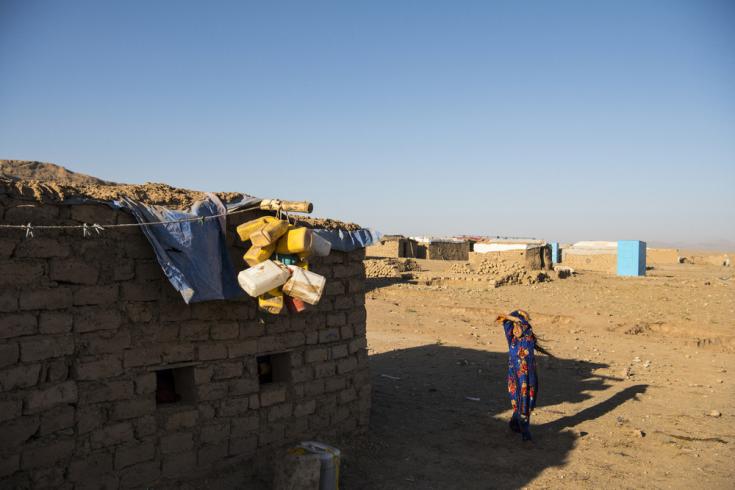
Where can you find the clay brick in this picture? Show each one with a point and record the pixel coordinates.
(334, 384)
(296, 339)
(316, 355)
(357, 316)
(47, 454)
(194, 330)
(18, 431)
(245, 445)
(19, 377)
(96, 295)
(140, 474)
(343, 303)
(9, 465)
(271, 344)
(57, 371)
(209, 352)
(46, 299)
(358, 345)
(226, 370)
(339, 351)
(336, 319)
(142, 356)
(212, 434)
(146, 426)
(10, 409)
(324, 369)
(9, 354)
(7, 245)
(225, 331)
(143, 313)
(93, 213)
(272, 434)
(177, 442)
(181, 420)
(328, 335)
(272, 395)
(91, 467)
(240, 349)
(16, 325)
(46, 348)
(279, 412)
(304, 408)
(129, 409)
(141, 291)
(112, 435)
(145, 384)
(107, 367)
(130, 455)
(334, 288)
(89, 418)
(347, 395)
(106, 342)
(176, 465)
(8, 300)
(312, 338)
(210, 454)
(57, 419)
(212, 391)
(243, 386)
(233, 406)
(106, 391)
(173, 353)
(149, 270)
(48, 477)
(314, 388)
(124, 270)
(242, 426)
(52, 322)
(203, 375)
(93, 318)
(73, 271)
(21, 272)
(302, 374)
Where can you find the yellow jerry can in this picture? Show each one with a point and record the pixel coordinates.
(295, 241)
(271, 302)
(246, 229)
(255, 255)
(269, 234)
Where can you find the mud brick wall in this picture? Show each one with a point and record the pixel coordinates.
(535, 258)
(590, 261)
(443, 251)
(662, 256)
(88, 325)
(387, 248)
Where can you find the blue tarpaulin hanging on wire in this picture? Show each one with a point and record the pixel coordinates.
(194, 254)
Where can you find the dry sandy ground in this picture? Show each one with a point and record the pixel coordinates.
(627, 402)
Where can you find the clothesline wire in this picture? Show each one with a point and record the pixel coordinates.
(97, 227)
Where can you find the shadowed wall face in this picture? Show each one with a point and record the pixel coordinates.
(107, 378)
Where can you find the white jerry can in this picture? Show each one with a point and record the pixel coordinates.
(262, 278)
(305, 285)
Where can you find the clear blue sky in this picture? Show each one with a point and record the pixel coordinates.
(563, 120)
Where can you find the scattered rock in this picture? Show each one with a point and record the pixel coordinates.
(715, 413)
(638, 433)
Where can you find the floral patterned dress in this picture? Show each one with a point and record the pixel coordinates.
(522, 380)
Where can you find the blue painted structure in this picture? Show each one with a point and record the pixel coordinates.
(555, 252)
(631, 258)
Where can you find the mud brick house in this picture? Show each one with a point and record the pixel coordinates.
(93, 336)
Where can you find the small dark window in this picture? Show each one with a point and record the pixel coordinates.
(175, 385)
(274, 368)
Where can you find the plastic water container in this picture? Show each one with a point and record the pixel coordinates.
(329, 457)
(246, 229)
(269, 234)
(255, 255)
(295, 241)
(319, 246)
(263, 277)
(272, 302)
(304, 285)
(294, 305)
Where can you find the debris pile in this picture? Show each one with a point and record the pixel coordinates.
(389, 267)
(503, 273)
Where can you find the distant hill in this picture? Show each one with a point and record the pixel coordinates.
(46, 172)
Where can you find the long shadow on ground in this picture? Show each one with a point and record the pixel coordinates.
(425, 434)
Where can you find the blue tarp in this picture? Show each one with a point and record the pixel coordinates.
(194, 255)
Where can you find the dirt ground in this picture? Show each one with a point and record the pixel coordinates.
(638, 395)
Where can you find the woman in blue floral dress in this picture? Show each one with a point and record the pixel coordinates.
(522, 380)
